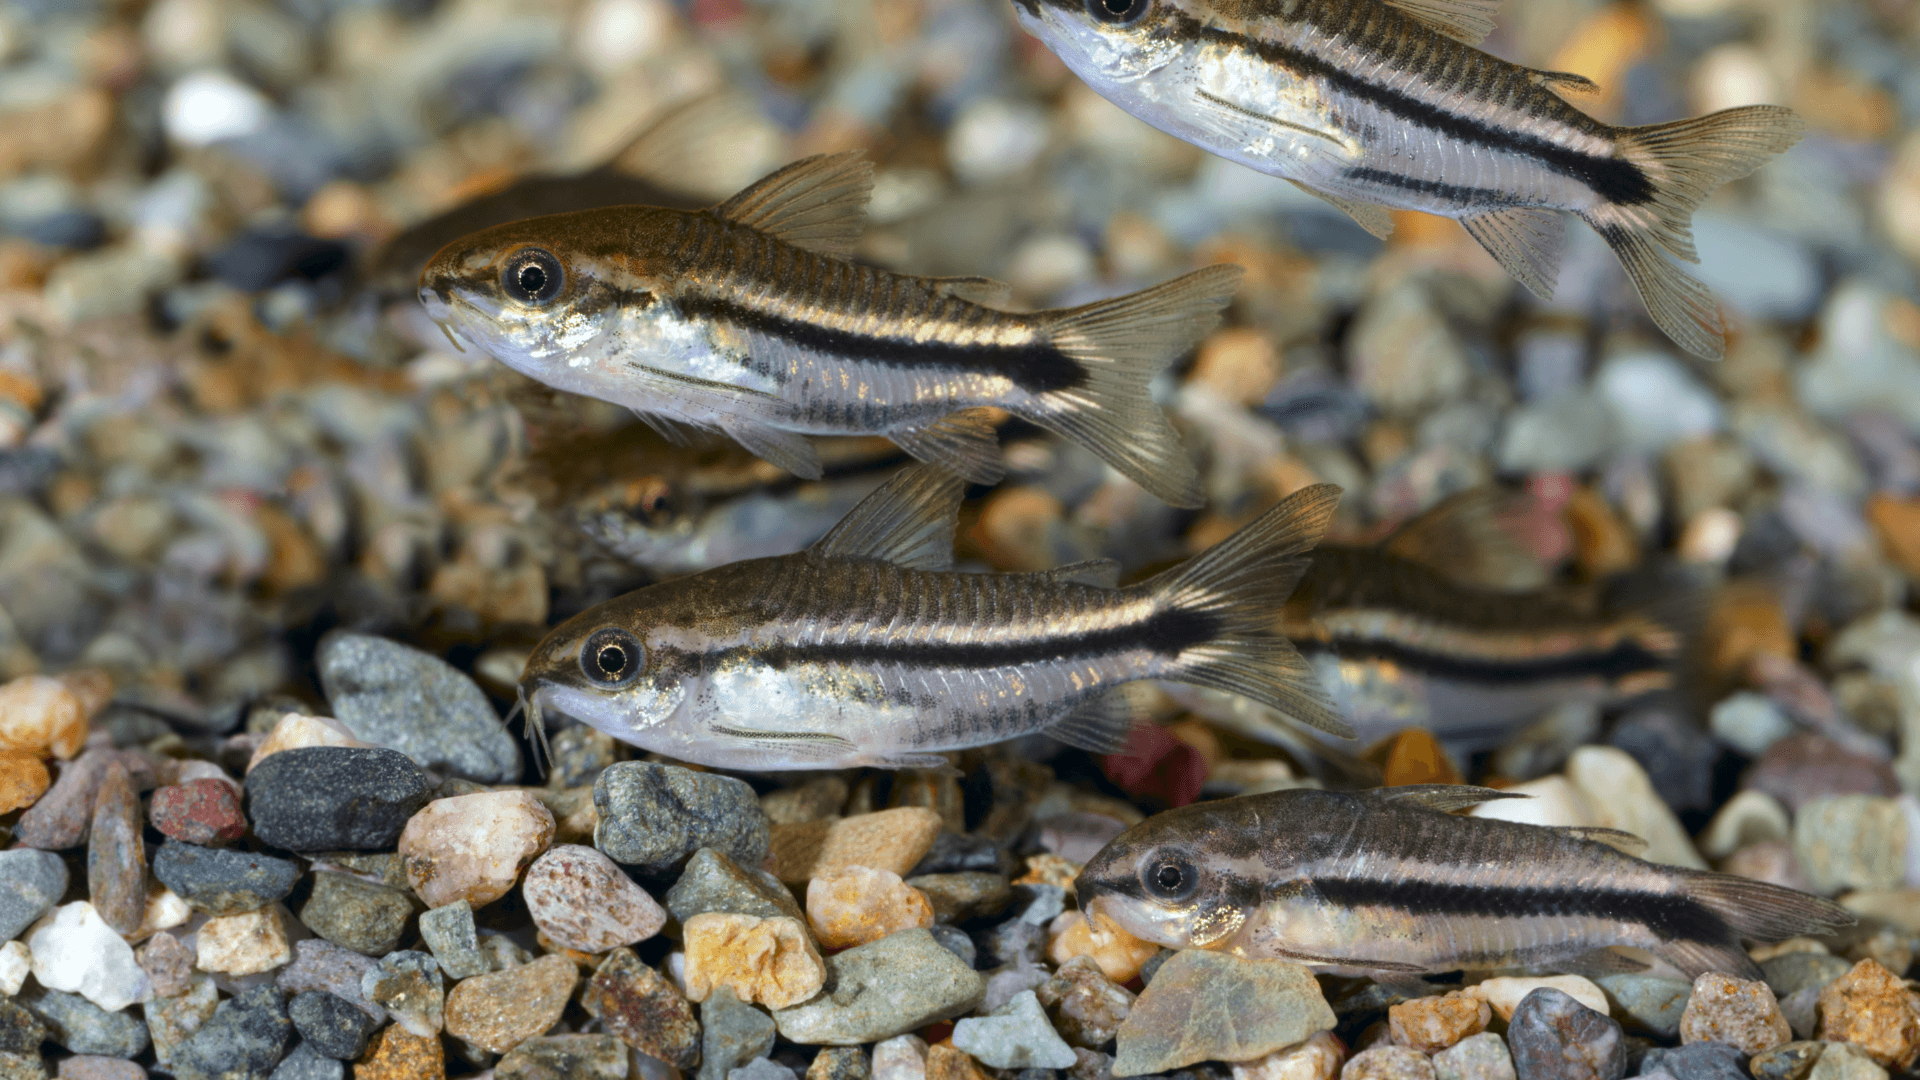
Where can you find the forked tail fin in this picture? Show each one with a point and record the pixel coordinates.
(1684, 162)
(1122, 344)
(1236, 589)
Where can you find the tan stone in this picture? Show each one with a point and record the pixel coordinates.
(39, 714)
(23, 779)
(1431, 1024)
(502, 1009)
(893, 840)
(1119, 954)
(1872, 1008)
(1739, 1012)
(1047, 868)
(245, 944)
(857, 904)
(770, 961)
(1506, 992)
(474, 847)
(294, 731)
(395, 1053)
(1318, 1058)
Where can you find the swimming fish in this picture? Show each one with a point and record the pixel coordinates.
(747, 319)
(869, 649)
(1388, 103)
(1388, 883)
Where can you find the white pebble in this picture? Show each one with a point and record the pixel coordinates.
(903, 1057)
(994, 139)
(208, 106)
(15, 962)
(1749, 722)
(1506, 992)
(76, 951)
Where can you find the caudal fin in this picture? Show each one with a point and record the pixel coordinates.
(1238, 587)
(1684, 162)
(1123, 343)
(1753, 910)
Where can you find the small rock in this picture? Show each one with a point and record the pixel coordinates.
(21, 1032)
(450, 933)
(955, 940)
(1738, 1012)
(168, 964)
(503, 1009)
(116, 854)
(1806, 766)
(1092, 1065)
(1387, 1063)
(1872, 1008)
(769, 961)
(294, 731)
(654, 817)
(1207, 1005)
(565, 1057)
(1553, 1036)
(1851, 842)
(965, 895)
(1431, 1024)
(41, 715)
(732, 1033)
(74, 951)
(1087, 1007)
(1622, 797)
(1318, 1058)
(23, 779)
(1790, 1062)
(899, 983)
(22, 1066)
(356, 914)
(473, 847)
(223, 881)
(1845, 1061)
(762, 1069)
(582, 900)
(247, 1037)
(59, 818)
(407, 700)
(1119, 954)
(1653, 1003)
(323, 798)
(853, 905)
(1476, 1057)
(95, 1067)
(894, 840)
(1506, 992)
(30, 882)
(205, 812)
(1750, 817)
(322, 965)
(394, 1053)
(333, 1026)
(903, 1057)
(408, 985)
(1695, 1061)
(1749, 722)
(15, 965)
(1015, 1036)
(816, 800)
(840, 1063)
(173, 1021)
(245, 944)
(714, 882)
(305, 1063)
(642, 1009)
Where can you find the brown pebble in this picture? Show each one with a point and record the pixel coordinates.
(642, 1009)
(1431, 1024)
(1872, 1008)
(893, 840)
(1739, 1012)
(116, 854)
(946, 1063)
(394, 1053)
(23, 779)
(500, 1010)
(565, 1057)
(1086, 1007)
(168, 964)
(771, 962)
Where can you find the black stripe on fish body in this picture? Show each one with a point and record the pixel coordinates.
(1166, 633)
(1668, 916)
(1626, 658)
(1454, 193)
(1616, 180)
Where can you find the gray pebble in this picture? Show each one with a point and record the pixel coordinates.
(21, 1032)
(319, 798)
(223, 881)
(1695, 1061)
(83, 1027)
(1801, 1010)
(1652, 1003)
(30, 882)
(61, 817)
(22, 1066)
(1043, 903)
(713, 882)
(305, 1064)
(409, 986)
(399, 697)
(653, 817)
(356, 914)
(244, 1040)
(761, 1068)
(1554, 1037)
(322, 965)
(1016, 1035)
(899, 983)
(572, 1057)
(732, 1033)
(955, 941)
(330, 1024)
(1476, 1057)
(1795, 971)
(449, 932)
(1790, 1062)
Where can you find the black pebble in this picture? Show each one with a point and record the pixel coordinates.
(331, 1025)
(329, 798)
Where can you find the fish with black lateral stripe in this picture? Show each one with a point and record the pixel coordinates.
(1371, 104)
(1390, 884)
(868, 648)
(748, 319)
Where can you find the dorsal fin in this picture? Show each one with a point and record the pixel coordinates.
(1100, 573)
(909, 520)
(1445, 798)
(1619, 840)
(1462, 20)
(1567, 81)
(818, 203)
(984, 291)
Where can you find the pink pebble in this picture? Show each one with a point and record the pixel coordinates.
(204, 811)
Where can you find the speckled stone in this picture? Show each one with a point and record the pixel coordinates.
(1016, 1035)
(582, 900)
(396, 696)
(852, 905)
(732, 1033)
(501, 1010)
(168, 963)
(30, 882)
(840, 1063)
(116, 854)
(1872, 1008)
(1845, 1061)
(1694, 1061)
(654, 817)
(1204, 1006)
(771, 962)
(95, 1067)
(1318, 1058)
(330, 1024)
(322, 965)
(327, 798)
(244, 944)
(223, 881)
(1738, 1012)
(394, 1053)
(409, 986)
(21, 1032)
(642, 1009)
(565, 1057)
(1647, 1003)
(1087, 1008)
(204, 811)
(172, 1021)
(356, 914)
(247, 1036)
(474, 847)
(1476, 1057)
(1431, 1024)
(900, 983)
(450, 933)
(714, 882)
(1554, 1037)
(1387, 1063)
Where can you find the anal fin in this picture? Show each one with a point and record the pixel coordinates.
(1525, 241)
(964, 442)
(1375, 219)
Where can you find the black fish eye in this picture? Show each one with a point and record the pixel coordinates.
(1118, 12)
(533, 276)
(1169, 878)
(611, 659)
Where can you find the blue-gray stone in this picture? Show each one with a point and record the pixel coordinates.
(331, 1025)
(1695, 1061)
(955, 940)
(304, 1064)
(21, 1032)
(83, 1027)
(654, 817)
(1795, 971)
(732, 1033)
(223, 881)
(1554, 1037)
(328, 798)
(244, 1039)
(761, 1069)
(399, 697)
(30, 882)
(1016, 1035)
(1653, 1003)
(450, 933)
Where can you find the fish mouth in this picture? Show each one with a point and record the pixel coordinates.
(440, 310)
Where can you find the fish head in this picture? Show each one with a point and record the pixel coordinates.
(597, 667)
(539, 294)
(1161, 882)
(1104, 41)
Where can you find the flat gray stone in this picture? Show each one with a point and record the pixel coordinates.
(30, 882)
(1652, 1003)
(900, 983)
(223, 881)
(713, 882)
(450, 934)
(1017, 1035)
(83, 1027)
(396, 696)
(1209, 1006)
(732, 1033)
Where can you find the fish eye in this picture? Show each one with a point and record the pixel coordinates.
(1170, 878)
(1118, 12)
(533, 276)
(611, 658)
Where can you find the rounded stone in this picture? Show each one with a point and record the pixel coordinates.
(473, 847)
(768, 961)
(204, 811)
(653, 817)
(853, 905)
(1431, 1024)
(223, 881)
(398, 697)
(582, 900)
(1738, 1012)
(501, 1010)
(1554, 1037)
(329, 798)
(332, 1025)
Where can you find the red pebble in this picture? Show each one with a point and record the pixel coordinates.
(1158, 765)
(204, 811)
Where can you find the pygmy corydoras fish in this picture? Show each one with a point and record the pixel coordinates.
(869, 649)
(747, 319)
(1388, 103)
(1388, 883)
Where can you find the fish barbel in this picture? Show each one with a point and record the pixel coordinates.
(869, 649)
(1388, 103)
(747, 319)
(1389, 883)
